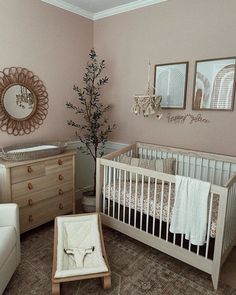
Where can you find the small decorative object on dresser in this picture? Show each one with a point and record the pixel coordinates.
(43, 188)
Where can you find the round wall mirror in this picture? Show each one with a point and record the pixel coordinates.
(23, 101)
(19, 102)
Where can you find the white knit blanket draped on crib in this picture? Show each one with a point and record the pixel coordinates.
(79, 232)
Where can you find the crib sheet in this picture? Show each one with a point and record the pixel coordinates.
(114, 195)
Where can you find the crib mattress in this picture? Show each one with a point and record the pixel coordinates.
(145, 208)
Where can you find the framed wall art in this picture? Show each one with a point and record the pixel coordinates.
(170, 82)
(214, 84)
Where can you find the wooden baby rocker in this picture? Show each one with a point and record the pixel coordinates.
(79, 251)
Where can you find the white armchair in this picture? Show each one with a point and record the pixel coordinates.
(9, 243)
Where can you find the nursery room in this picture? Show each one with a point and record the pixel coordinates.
(117, 147)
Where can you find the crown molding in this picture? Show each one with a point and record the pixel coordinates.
(126, 7)
(69, 7)
(105, 13)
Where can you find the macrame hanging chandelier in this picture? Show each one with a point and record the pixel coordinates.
(149, 103)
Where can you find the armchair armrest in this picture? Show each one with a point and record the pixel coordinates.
(9, 216)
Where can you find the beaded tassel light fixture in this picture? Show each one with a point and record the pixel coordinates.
(148, 104)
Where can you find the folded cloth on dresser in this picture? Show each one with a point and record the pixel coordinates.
(190, 212)
(79, 249)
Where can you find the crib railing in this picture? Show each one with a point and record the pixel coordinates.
(121, 207)
(216, 169)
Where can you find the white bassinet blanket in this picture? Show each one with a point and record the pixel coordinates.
(79, 234)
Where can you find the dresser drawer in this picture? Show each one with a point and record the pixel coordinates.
(65, 203)
(27, 172)
(59, 164)
(32, 199)
(29, 187)
(45, 211)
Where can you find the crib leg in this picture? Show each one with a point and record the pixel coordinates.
(215, 278)
(55, 289)
(106, 282)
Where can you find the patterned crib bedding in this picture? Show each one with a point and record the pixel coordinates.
(114, 195)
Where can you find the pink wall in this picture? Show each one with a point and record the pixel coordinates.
(173, 31)
(52, 43)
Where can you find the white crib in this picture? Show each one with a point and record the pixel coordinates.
(138, 202)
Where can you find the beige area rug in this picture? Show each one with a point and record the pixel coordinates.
(136, 269)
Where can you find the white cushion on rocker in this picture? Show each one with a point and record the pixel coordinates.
(85, 229)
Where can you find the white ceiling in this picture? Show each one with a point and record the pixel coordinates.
(96, 9)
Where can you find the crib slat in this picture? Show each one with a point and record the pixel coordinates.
(119, 191)
(130, 194)
(145, 153)
(155, 154)
(182, 172)
(141, 211)
(114, 191)
(182, 241)
(161, 208)
(198, 249)
(230, 205)
(200, 172)
(209, 226)
(229, 171)
(124, 196)
(154, 209)
(195, 167)
(109, 189)
(135, 199)
(168, 212)
(221, 172)
(148, 200)
(104, 188)
(189, 159)
(189, 246)
(214, 172)
(207, 174)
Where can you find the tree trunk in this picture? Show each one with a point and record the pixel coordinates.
(94, 174)
(94, 179)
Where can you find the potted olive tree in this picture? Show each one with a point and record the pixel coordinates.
(93, 128)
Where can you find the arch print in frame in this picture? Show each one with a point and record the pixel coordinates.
(170, 83)
(214, 84)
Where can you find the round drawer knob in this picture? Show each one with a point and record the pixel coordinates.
(30, 218)
(30, 186)
(60, 162)
(30, 202)
(60, 192)
(29, 169)
(60, 206)
(60, 177)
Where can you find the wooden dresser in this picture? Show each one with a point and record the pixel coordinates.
(43, 188)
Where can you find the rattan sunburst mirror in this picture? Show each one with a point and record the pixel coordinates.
(23, 101)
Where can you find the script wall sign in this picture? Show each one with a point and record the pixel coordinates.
(188, 118)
